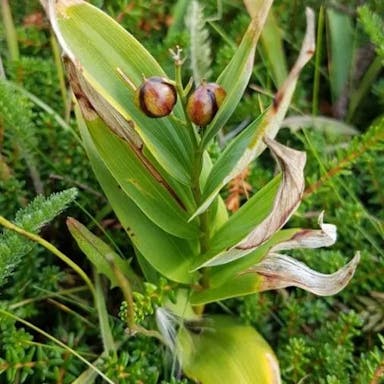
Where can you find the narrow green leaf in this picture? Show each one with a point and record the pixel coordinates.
(239, 68)
(340, 32)
(9, 31)
(227, 351)
(169, 255)
(272, 47)
(98, 253)
(228, 280)
(241, 223)
(359, 93)
(226, 165)
(286, 201)
(141, 183)
(239, 285)
(99, 48)
(268, 126)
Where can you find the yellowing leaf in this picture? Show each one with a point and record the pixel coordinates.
(101, 50)
(226, 351)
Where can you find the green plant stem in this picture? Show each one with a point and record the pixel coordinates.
(182, 96)
(106, 332)
(203, 218)
(198, 161)
(196, 172)
(47, 245)
(10, 31)
(316, 81)
(57, 341)
(126, 288)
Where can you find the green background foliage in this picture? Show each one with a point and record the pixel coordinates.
(317, 340)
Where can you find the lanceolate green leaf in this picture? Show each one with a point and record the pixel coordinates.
(226, 166)
(340, 33)
(286, 201)
(267, 125)
(239, 285)
(229, 280)
(239, 68)
(100, 48)
(272, 46)
(226, 351)
(154, 198)
(100, 254)
(271, 122)
(242, 222)
(221, 274)
(168, 254)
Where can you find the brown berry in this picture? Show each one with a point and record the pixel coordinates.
(156, 97)
(204, 103)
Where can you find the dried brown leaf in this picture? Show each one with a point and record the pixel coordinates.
(281, 271)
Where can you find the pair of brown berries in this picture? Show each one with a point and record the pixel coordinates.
(156, 97)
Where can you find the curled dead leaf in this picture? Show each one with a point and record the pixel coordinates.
(281, 271)
(286, 201)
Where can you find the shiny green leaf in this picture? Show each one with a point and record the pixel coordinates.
(240, 285)
(141, 183)
(286, 201)
(169, 255)
(235, 77)
(267, 126)
(241, 223)
(102, 50)
(272, 48)
(341, 34)
(226, 166)
(99, 253)
(226, 351)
